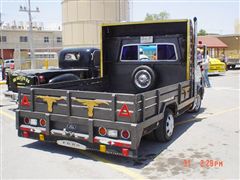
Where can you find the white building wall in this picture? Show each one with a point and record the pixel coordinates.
(82, 20)
(13, 39)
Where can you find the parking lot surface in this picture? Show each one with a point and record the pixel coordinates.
(205, 145)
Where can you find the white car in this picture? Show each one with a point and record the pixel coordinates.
(8, 62)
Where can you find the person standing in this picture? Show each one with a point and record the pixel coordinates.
(205, 66)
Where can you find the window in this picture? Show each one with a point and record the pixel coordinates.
(3, 38)
(59, 39)
(149, 52)
(130, 52)
(72, 56)
(23, 39)
(46, 39)
(166, 52)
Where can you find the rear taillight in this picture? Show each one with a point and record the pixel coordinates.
(25, 134)
(125, 152)
(125, 134)
(41, 79)
(42, 122)
(26, 120)
(102, 131)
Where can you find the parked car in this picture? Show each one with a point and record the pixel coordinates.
(216, 67)
(233, 60)
(6, 67)
(8, 63)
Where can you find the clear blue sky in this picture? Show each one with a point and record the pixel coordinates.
(215, 16)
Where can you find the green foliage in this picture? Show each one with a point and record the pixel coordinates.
(202, 32)
(160, 16)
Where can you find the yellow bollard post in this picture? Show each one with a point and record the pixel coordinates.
(46, 63)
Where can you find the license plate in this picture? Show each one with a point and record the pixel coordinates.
(71, 144)
(112, 133)
(33, 122)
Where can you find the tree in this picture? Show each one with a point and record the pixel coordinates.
(160, 16)
(202, 32)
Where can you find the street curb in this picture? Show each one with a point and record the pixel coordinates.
(2, 82)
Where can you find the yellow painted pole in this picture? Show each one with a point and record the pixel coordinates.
(46, 63)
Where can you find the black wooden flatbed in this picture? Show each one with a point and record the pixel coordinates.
(146, 109)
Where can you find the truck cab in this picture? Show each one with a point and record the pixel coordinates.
(147, 56)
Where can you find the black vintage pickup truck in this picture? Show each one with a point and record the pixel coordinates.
(148, 76)
(74, 64)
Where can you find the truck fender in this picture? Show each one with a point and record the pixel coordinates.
(64, 77)
(172, 105)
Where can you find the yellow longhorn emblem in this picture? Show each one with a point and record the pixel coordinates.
(50, 100)
(90, 104)
(185, 91)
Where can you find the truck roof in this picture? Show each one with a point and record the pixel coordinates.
(146, 22)
(91, 50)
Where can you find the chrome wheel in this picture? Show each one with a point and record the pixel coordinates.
(165, 130)
(169, 125)
(142, 79)
(197, 102)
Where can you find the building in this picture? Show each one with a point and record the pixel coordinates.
(233, 45)
(18, 39)
(82, 19)
(237, 26)
(214, 45)
(229, 45)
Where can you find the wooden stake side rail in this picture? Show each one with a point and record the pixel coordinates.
(140, 106)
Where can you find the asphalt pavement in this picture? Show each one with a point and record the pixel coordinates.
(205, 145)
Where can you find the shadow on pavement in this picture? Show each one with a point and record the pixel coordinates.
(149, 149)
(6, 105)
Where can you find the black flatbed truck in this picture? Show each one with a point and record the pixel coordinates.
(73, 64)
(111, 114)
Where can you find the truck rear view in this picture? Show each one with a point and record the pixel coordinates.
(135, 96)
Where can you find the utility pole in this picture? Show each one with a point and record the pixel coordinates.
(1, 23)
(29, 11)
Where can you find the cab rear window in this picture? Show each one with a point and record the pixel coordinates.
(72, 56)
(130, 52)
(149, 52)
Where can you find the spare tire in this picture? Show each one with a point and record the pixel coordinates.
(143, 78)
(64, 77)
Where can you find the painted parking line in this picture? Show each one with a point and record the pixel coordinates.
(118, 168)
(204, 117)
(2, 82)
(3, 113)
(121, 169)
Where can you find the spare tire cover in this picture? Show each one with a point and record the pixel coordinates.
(143, 78)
